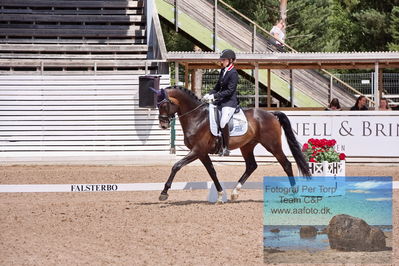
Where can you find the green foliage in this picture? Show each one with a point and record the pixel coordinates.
(342, 25)
(373, 28)
(264, 12)
(175, 41)
(394, 29)
(305, 29)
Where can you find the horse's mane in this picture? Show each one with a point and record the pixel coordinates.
(185, 91)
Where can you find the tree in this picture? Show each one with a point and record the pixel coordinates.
(341, 25)
(263, 12)
(394, 29)
(306, 30)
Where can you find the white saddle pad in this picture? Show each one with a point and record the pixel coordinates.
(240, 123)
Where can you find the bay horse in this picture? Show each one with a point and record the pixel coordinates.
(263, 127)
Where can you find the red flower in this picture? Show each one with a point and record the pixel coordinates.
(305, 147)
(332, 143)
(317, 150)
(318, 142)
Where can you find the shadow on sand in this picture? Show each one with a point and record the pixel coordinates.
(193, 202)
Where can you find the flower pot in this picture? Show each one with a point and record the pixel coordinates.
(327, 169)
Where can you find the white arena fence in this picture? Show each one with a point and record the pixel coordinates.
(85, 188)
(46, 115)
(119, 187)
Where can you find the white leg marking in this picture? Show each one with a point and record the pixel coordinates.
(220, 198)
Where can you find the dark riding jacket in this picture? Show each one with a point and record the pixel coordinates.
(225, 91)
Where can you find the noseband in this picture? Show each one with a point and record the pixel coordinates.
(166, 118)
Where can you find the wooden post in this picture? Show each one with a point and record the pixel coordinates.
(381, 83)
(197, 77)
(269, 89)
(376, 92)
(186, 75)
(176, 73)
(331, 90)
(292, 88)
(215, 25)
(193, 85)
(176, 16)
(256, 85)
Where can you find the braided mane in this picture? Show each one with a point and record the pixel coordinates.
(185, 91)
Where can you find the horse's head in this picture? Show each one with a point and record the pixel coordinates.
(168, 106)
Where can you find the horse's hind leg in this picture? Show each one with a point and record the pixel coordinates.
(206, 161)
(247, 152)
(277, 151)
(190, 157)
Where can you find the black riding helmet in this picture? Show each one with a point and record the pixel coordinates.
(228, 54)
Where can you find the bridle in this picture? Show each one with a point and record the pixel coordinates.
(169, 117)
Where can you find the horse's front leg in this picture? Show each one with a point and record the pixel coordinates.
(206, 161)
(190, 157)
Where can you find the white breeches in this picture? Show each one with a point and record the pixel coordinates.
(227, 113)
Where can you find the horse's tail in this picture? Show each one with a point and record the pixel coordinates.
(293, 143)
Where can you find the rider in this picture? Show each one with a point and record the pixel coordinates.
(225, 94)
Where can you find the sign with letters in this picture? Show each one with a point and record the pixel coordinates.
(358, 133)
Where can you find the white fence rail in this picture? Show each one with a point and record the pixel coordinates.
(64, 114)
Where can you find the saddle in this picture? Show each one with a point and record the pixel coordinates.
(238, 124)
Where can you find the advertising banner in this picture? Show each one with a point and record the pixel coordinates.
(358, 133)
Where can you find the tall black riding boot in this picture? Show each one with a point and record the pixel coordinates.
(225, 137)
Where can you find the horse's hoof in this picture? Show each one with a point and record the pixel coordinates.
(163, 197)
(234, 197)
(219, 202)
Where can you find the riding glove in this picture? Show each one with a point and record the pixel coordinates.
(209, 98)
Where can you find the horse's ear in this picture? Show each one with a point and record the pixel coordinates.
(156, 91)
(174, 100)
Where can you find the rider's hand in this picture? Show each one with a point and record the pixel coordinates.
(206, 97)
(209, 98)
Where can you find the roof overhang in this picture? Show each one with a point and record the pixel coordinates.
(350, 60)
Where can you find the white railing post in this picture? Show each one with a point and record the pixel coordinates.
(256, 85)
(331, 89)
(176, 15)
(148, 13)
(176, 73)
(292, 87)
(253, 38)
(215, 25)
(376, 91)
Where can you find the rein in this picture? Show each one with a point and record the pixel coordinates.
(189, 112)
